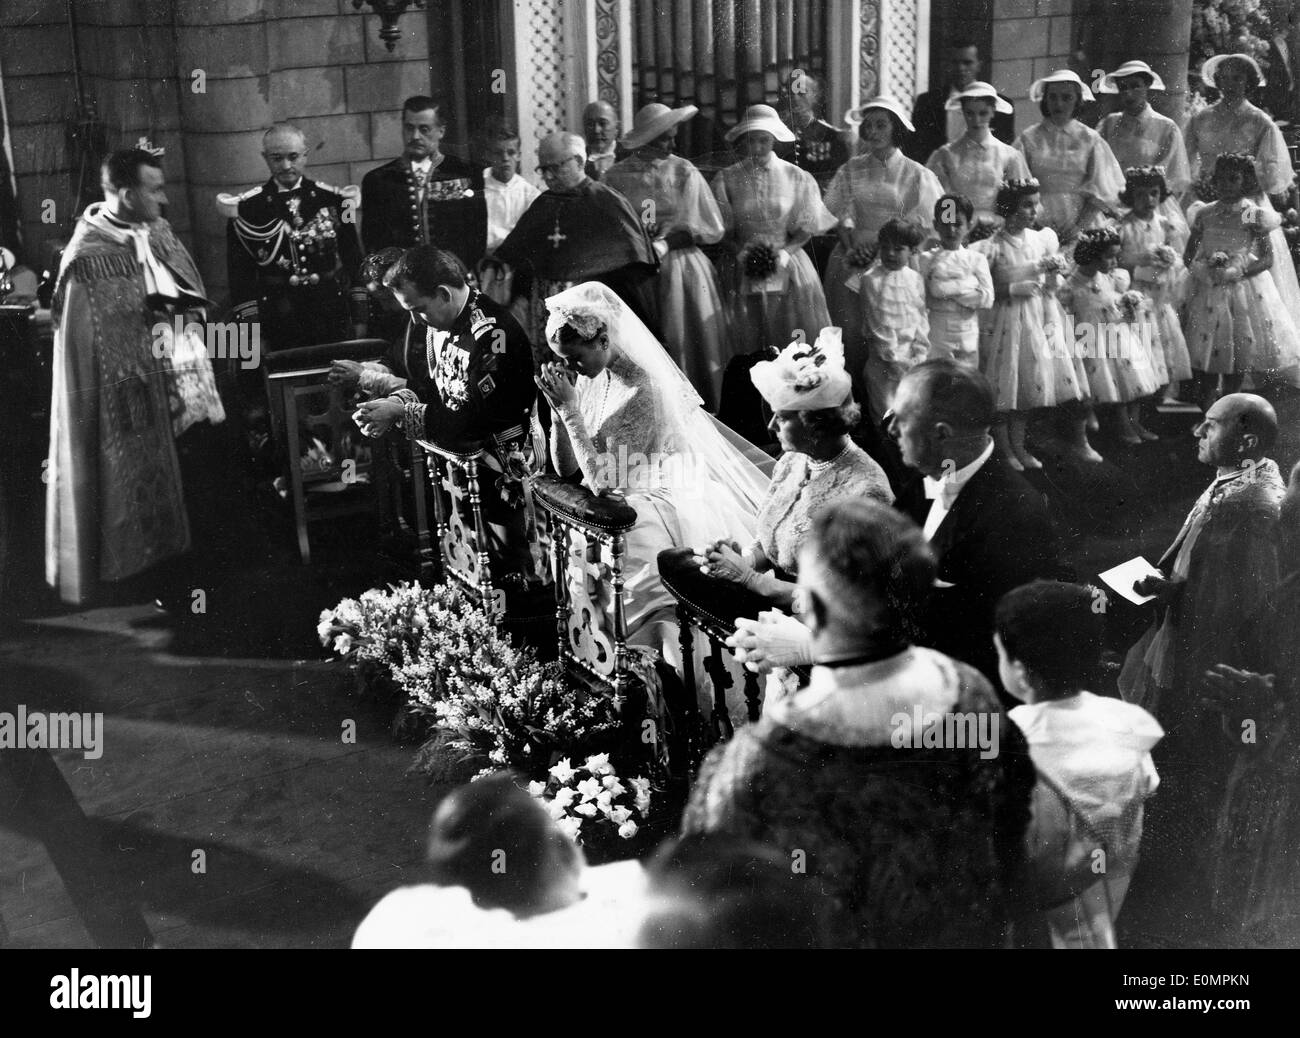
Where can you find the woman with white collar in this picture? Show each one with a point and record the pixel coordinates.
(1233, 124)
(1139, 136)
(868, 191)
(976, 163)
(1080, 178)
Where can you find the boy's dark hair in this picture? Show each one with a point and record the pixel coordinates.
(479, 821)
(1056, 631)
(426, 268)
(1138, 177)
(901, 232)
(123, 167)
(949, 202)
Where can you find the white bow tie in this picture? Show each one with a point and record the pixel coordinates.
(942, 490)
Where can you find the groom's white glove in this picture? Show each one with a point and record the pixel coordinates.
(773, 640)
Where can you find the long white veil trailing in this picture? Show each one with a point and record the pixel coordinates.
(731, 475)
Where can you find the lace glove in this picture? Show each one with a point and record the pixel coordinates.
(773, 640)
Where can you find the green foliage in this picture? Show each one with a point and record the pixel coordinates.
(1233, 27)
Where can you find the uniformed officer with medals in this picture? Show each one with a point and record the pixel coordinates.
(469, 386)
(292, 252)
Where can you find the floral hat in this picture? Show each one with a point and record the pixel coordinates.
(805, 376)
(1110, 83)
(1064, 75)
(981, 90)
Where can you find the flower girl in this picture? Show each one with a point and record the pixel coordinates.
(1235, 318)
(1151, 246)
(1022, 338)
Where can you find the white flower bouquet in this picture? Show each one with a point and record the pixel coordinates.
(1131, 304)
(593, 795)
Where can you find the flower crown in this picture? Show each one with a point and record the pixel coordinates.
(1024, 186)
(1144, 173)
(145, 144)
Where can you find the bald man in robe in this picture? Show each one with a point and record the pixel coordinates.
(1222, 562)
(600, 131)
(577, 230)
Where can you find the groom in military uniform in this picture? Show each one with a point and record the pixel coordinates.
(469, 387)
(292, 252)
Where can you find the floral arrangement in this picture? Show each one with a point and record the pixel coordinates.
(381, 626)
(1218, 260)
(860, 257)
(592, 793)
(760, 261)
(1164, 256)
(1131, 304)
(1055, 264)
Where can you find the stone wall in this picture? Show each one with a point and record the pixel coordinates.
(317, 63)
(1032, 38)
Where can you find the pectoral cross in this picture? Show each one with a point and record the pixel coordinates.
(556, 237)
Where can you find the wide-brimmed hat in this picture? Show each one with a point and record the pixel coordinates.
(654, 120)
(805, 376)
(1110, 82)
(1211, 66)
(1064, 75)
(982, 90)
(854, 115)
(761, 117)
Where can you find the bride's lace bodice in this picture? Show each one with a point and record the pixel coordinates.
(614, 433)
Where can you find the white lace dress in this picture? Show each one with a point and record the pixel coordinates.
(615, 434)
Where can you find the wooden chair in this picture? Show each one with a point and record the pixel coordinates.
(712, 609)
(323, 476)
(458, 549)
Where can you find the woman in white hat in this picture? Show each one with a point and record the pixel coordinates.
(681, 214)
(976, 163)
(1139, 136)
(1080, 178)
(870, 190)
(1232, 125)
(813, 411)
(771, 209)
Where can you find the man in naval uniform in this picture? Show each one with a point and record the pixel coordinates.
(818, 147)
(469, 387)
(292, 252)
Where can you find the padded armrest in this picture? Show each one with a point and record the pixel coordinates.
(606, 513)
(307, 357)
(719, 602)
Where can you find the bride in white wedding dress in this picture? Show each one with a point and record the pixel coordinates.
(631, 423)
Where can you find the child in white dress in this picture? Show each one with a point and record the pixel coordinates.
(1023, 351)
(957, 284)
(1151, 249)
(1236, 321)
(895, 326)
(1112, 331)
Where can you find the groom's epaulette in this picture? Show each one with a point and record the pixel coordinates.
(480, 324)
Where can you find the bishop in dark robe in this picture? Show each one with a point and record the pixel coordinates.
(577, 230)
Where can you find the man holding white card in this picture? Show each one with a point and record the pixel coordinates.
(1223, 559)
